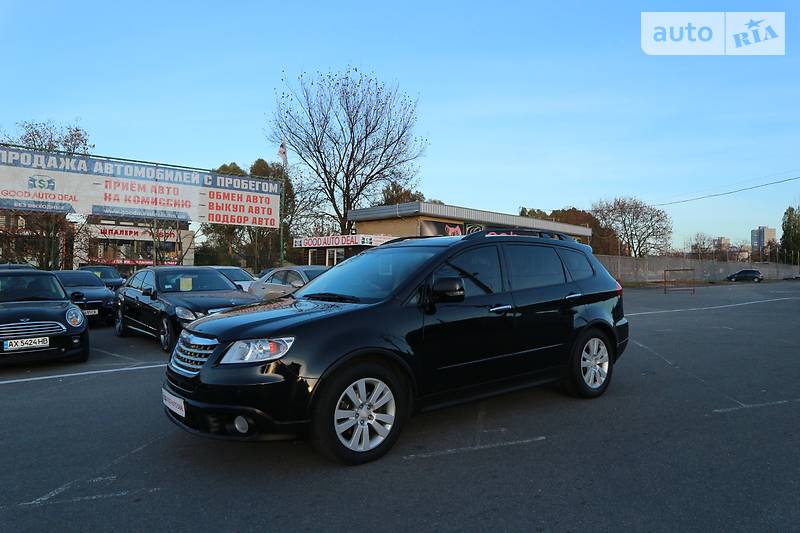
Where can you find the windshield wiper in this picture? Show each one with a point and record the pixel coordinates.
(331, 297)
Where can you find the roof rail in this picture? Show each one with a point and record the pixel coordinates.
(522, 232)
(401, 239)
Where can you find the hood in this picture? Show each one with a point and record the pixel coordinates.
(204, 300)
(92, 293)
(265, 318)
(12, 312)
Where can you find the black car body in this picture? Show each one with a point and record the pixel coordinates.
(161, 301)
(37, 319)
(747, 275)
(437, 320)
(99, 303)
(107, 274)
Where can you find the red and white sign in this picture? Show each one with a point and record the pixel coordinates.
(341, 240)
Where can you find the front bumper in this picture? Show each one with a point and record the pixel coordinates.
(63, 346)
(275, 406)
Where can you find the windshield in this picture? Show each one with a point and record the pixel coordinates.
(237, 274)
(104, 272)
(370, 276)
(193, 281)
(79, 279)
(30, 288)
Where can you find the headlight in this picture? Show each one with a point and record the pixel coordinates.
(257, 350)
(74, 317)
(184, 314)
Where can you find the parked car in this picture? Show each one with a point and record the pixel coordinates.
(241, 277)
(265, 272)
(409, 325)
(16, 266)
(37, 319)
(108, 274)
(161, 301)
(747, 275)
(99, 302)
(282, 282)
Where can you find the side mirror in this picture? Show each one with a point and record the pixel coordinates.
(77, 296)
(448, 290)
(297, 284)
(149, 292)
(238, 286)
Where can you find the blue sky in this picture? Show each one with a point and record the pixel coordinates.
(542, 105)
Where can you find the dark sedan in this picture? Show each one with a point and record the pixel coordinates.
(161, 301)
(99, 302)
(107, 274)
(37, 319)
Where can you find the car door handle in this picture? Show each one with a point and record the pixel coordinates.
(572, 296)
(500, 309)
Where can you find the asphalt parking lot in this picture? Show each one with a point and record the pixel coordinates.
(700, 430)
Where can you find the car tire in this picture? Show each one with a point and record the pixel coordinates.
(361, 390)
(166, 334)
(756, 280)
(591, 365)
(120, 328)
(84, 356)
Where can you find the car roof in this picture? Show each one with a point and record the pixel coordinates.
(487, 237)
(26, 272)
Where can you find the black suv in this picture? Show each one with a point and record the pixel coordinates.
(747, 275)
(413, 324)
(161, 301)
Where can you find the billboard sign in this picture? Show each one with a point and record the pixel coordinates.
(132, 233)
(341, 240)
(33, 180)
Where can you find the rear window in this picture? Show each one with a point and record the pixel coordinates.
(577, 264)
(311, 274)
(79, 279)
(534, 266)
(236, 274)
(103, 272)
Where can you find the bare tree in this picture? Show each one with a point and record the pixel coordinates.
(353, 134)
(701, 244)
(39, 235)
(643, 229)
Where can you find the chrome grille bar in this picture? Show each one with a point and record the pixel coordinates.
(191, 353)
(31, 329)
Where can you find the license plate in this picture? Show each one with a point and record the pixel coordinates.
(90, 312)
(21, 344)
(173, 403)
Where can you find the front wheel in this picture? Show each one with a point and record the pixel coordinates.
(359, 413)
(756, 280)
(120, 329)
(591, 365)
(166, 334)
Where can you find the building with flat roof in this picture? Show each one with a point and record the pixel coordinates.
(760, 238)
(375, 225)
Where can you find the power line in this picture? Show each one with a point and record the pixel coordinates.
(703, 197)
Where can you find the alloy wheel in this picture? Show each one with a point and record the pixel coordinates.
(163, 334)
(364, 414)
(594, 363)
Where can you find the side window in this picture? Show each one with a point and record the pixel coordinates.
(136, 282)
(577, 264)
(479, 268)
(292, 276)
(148, 281)
(278, 278)
(533, 266)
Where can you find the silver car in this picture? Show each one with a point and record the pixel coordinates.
(284, 281)
(242, 278)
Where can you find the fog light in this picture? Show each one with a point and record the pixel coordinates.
(76, 340)
(241, 425)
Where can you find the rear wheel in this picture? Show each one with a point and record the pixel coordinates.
(591, 365)
(120, 328)
(756, 280)
(359, 413)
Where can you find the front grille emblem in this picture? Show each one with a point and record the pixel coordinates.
(26, 319)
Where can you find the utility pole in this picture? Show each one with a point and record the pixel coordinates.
(285, 160)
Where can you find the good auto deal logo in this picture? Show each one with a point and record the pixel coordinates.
(714, 33)
(41, 182)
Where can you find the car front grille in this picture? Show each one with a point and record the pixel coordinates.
(31, 329)
(191, 353)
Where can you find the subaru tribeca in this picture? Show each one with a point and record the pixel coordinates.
(411, 325)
